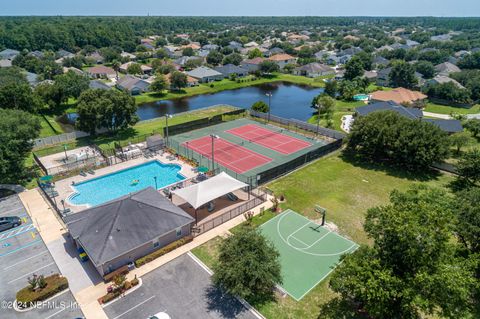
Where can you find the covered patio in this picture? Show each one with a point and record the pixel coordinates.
(211, 198)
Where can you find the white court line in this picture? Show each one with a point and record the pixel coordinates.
(30, 273)
(25, 260)
(136, 306)
(301, 241)
(319, 239)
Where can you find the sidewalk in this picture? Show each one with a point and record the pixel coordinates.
(51, 229)
(437, 115)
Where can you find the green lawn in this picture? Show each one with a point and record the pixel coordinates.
(227, 84)
(443, 109)
(347, 189)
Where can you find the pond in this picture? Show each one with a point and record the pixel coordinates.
(288, 101)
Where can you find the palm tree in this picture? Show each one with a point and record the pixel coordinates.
(116, 67)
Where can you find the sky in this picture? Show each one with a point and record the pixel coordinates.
(243, 7)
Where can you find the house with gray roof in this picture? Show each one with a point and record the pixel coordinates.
(441, 79)
(133, 85)
(313, 70)
(230, 69)
(5, 63)
(120, 231)
(96, 84)
(8, 54)
(204, 74)
(446, 68)
(383, 77)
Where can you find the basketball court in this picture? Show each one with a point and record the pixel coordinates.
(308, 251)
(237, 158)
(274, 140)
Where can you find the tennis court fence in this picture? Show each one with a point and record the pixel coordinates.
(293, 125)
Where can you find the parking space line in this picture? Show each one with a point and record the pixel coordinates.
(56, 313)
(21, 248)
(136, 306)
(30, 273)
(16, 232)
(24, 260)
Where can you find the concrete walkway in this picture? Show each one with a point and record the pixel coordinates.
(52, 231)
(437, 115)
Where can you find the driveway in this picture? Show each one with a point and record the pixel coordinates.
(182, 289)
(22, 254)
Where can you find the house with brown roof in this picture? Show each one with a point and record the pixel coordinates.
(399, 96)
(145, 68)
(252, 65)
(101, 71)
(191, 81)
(283, 59)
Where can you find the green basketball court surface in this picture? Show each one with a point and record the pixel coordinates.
(308, 251)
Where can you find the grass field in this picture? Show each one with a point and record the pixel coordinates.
(347, 189)
(443, 109)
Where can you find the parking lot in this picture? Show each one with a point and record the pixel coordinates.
(182, 289)
(22, 254)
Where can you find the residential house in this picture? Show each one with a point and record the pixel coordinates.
(461, 53)
(74, 70)
(441, 79)
(190, 81)
(370, 75)
(283, 59)
(210, 47)
(129, 56)
(412, 44)
(205, 74)
(101, 71)
(36, 54)
(32, 78)
(118, 232)
(229, 69)
(96, 57)
(133, 85)
(252, 65)
(446, 68)
(235, 45)
(380, 61)
(145, 68)
(399, 96)
(441, 37)
(313, 70)
(251, 44)
(5, 63)
(64, 54)
(273, 51)
(96, 84)
(8, 54)
(383, 77)
(321, 55)
(184, 59)
(448, 126)
(349, 51)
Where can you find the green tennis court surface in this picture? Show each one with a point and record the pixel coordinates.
(308, 251)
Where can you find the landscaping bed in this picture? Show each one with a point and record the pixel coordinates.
(162, 251)
(54, 284)
(118, 291)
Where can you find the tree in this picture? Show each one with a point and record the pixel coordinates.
(72, 84)
(366, 59)
(108, 109)
(159, 84)
(450, 92)
(248, 265)
(326, 108)
(260, 106)
(255, 53)
(388, 136)
(459, 140)
(467, 206)
(134, 68)
(473, 125)
(188, 51)
(427, 69)
(15, 92)
(178, 80)
(233, 58)
(468, 167)
(214, 57)
(192, 64)
(411, 269)
(348, 89)
(331, 88)
(268, 66)
(17, 130)
(402, 75)
(116, 67)
(353, 68)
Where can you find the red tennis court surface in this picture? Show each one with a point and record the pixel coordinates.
(232, 156)
(279, 142)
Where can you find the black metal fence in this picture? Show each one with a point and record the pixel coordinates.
(293, 125)
(260, 197)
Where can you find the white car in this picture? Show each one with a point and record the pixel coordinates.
(160, 315)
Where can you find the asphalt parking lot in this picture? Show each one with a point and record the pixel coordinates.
(23, 253)
(182, 289)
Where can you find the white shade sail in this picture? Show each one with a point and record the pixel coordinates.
(214, 187)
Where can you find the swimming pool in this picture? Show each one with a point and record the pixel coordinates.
(105, 188)
(361, 97)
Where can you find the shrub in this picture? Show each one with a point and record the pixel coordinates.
(109, 297)
(134, 281)
(52, 285)
(162, 251)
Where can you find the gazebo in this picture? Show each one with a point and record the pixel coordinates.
(208, 190)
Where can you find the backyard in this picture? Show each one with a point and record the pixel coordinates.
(346, 188)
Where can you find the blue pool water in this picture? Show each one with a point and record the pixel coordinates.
(108, 187)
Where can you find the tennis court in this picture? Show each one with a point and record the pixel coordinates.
(308, 252)
(274, 140)
(235, 157)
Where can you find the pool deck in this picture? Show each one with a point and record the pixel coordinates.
(64, 187)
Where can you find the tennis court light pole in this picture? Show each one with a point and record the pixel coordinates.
(213, 136)
(269, 94)
(167, 116)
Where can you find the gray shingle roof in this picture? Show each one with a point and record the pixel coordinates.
(410, 113)
(203, 72)
(449, 126)
(117, 227)
(230, 69)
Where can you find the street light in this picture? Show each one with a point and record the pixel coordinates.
(65, 150)
(269, 94)
(155, 178)
(213, 136)
(167, 116)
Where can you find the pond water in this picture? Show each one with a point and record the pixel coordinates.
(288, 101)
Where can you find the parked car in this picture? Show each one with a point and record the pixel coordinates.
(160, 315)
(9, 222)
